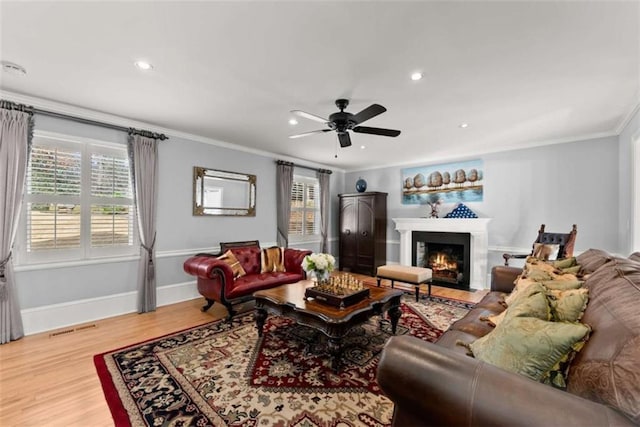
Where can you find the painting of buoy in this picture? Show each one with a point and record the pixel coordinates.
(452, 183)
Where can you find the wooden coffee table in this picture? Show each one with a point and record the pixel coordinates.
(288, 301)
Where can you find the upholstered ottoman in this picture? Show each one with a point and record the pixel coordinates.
(406, 274)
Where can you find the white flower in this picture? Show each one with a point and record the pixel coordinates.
(318, 262)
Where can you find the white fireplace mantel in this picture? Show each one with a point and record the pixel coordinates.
(476, 227)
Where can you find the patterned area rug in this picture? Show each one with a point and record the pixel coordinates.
(222, 374)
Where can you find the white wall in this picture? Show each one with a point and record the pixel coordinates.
(557, 185)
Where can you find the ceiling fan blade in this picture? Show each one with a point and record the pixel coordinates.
(309, 116)
(345, 140)
(376, 131)
(369, 112)
(313, 132)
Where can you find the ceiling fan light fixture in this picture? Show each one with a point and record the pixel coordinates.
(293, 122)
(417, 76)
(343, 122)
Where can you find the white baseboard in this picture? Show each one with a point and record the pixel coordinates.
(56, 316)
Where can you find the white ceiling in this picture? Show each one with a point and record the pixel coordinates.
(520, 73)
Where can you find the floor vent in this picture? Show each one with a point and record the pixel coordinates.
(72, 330)
(58, 333)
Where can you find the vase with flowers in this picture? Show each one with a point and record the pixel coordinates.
(319, 266)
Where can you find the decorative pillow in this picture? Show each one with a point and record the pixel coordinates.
(572, 270)
(562, 285)
(538, 275)
(635, 256)
(249, 258)
(568, 305)
(272, 259)
(533, 263)
(565, 263)
(521, 284)
(545, 252)
(233, 262)
(565, 277)
(530, 302)
(532, 347)
(508, 299)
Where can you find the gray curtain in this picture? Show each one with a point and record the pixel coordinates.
(284, 180)
(16, 132)
(143, 155)
(325, 201)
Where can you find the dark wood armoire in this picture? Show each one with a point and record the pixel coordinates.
(363, 232)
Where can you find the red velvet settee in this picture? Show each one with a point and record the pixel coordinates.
(216, 280)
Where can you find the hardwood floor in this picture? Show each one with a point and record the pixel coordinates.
(49, 379)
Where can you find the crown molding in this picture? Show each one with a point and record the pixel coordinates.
(85, 113)
(626, 119)
(480, 153)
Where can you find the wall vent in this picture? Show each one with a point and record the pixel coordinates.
(72, 330)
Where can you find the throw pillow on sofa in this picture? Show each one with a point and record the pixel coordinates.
(562, 285)
(249, 258)
(229, 258)
(567, 305)
(538, 271)
(530, 302)
(272, 260)
(532, 347)
(565, 263)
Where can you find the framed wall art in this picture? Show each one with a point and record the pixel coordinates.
(450, 183)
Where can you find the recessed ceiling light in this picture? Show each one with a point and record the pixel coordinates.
(143, 65)
(293, 122)
(463, 125)
(416, 76)
(12, 68)
(362, 147)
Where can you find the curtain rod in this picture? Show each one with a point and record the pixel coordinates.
(282, 162)
(159, 136)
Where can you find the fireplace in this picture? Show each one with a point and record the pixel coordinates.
(478, 247)
(446, 254)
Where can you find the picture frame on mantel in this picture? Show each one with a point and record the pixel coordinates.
(449, 182)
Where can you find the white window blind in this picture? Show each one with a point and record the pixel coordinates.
(305, 207)
(53, 193)
(79, 201)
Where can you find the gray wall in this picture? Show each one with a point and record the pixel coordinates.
(179, 233)
(558, 185)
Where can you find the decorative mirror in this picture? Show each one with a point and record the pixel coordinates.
(217, 192)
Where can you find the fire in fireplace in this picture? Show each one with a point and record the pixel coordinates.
(446, 254)
(445, 261)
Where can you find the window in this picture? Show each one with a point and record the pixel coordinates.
(78, 201)
(305, 207)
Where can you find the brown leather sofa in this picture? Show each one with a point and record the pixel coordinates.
(216, 280)
(438, 384)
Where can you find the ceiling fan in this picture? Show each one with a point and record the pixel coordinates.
(342, 122)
